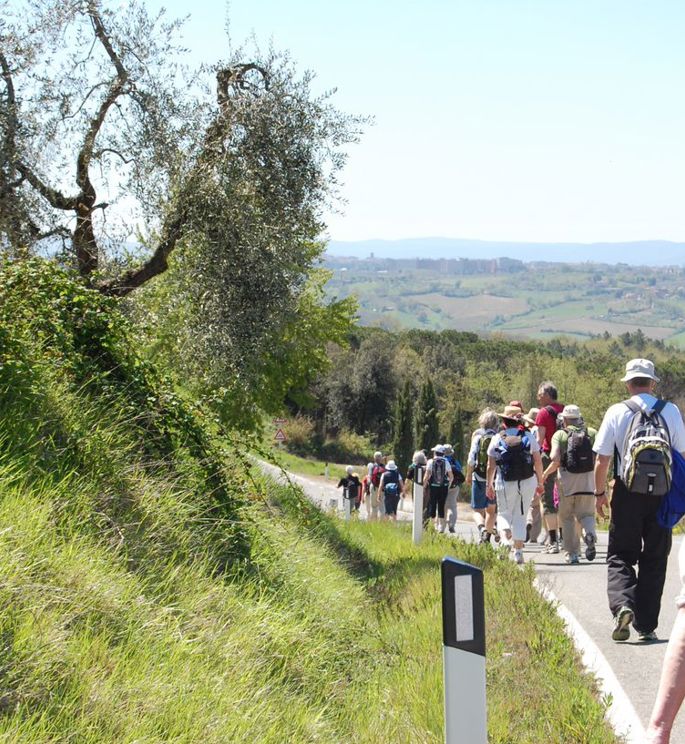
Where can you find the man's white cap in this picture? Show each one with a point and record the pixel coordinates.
(438, 449)
(639, 368)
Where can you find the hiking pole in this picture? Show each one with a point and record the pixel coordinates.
(463, 631)
(417, 525)
(348, 504)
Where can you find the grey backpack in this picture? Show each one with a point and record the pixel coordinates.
(646, 458)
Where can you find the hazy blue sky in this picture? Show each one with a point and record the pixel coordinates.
(530, 120)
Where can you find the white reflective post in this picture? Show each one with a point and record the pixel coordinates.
(417, 525)
(348, 504)
(463, 626)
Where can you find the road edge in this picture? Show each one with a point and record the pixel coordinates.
(620, 713)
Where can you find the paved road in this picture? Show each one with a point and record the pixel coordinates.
(628, 671)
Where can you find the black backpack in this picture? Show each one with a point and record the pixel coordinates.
(439, 472)
(515, 460)
(579, 457)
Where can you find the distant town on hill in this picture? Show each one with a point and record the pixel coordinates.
(534, 299)
(639, 253)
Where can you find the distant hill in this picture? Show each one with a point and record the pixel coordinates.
(641, 253)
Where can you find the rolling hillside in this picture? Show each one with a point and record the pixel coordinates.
(535, 300)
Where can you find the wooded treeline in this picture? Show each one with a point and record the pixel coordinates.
(383, 379)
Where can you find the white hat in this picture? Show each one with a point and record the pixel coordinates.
(438, 449)
(571, 412)
(391, 465)
(639, 368)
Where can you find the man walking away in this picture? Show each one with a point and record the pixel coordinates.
(639, 433)
(453, 491)
(484, 510)
(573, 460)
(546, 422)
(439, 479)
(351, 486)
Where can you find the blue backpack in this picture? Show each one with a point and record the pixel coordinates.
(672, 507)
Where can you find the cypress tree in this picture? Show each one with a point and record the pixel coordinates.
(457, 435)
(403, 442)
(427, 428)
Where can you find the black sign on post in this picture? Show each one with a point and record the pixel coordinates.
(463, 606)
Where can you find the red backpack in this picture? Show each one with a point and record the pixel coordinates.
(376, 473)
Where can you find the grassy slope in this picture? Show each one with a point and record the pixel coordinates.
(149, 594)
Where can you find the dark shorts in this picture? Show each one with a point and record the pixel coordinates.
(479, 499)
(547, 499)
(391, 502)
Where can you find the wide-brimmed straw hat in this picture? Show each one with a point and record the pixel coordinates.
(511, 413)
(530, 417)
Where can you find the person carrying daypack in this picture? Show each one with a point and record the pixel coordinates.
(438, 478)
(374, 502)
(573, 462)
(546, 424)
(638, 433)
(351, 486)
(391, 488)
(484, 511)
(514, 476)
(457, 479)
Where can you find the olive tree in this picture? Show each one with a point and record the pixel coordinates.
(121, 161)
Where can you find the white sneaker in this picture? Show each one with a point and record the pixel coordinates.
(518, 556)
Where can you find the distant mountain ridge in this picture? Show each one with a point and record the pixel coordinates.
(637, 253)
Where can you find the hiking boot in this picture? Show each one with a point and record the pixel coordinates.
(518, 556)
(648, 637)
(498, 537)
(622, 620)
(591, 550)
(451, 528)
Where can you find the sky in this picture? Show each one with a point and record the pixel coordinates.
(539, 120)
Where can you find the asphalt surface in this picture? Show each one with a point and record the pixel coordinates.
(581, 591)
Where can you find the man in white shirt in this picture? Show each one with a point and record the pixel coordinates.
(635, 537)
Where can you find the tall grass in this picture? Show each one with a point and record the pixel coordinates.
(155, 588)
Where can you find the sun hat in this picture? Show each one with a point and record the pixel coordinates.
(639, 368)
(448, 449)
(571, 412)
(530, 417)
(438, 449)
(391, 465)
(516, 403)
(512, 413)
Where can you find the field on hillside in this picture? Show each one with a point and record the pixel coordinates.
(539, 300)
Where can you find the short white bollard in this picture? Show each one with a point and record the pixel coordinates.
(463, 629)
(348, 504)
(417, 525)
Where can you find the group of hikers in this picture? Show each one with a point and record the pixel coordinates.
(548, 469)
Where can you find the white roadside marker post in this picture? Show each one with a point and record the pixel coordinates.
(417, 488)
(348, 504)
(463, 628)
